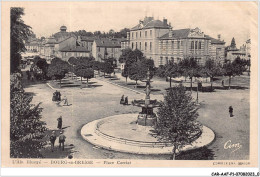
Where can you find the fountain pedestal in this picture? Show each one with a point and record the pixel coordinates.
(147, 117)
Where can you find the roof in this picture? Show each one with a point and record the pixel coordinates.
(177, 34)
(63, 39)
(239, 53)
(86, 38)
(214, 41)
(151, 24)
(75, 49)
(51, 40)
(110, 43)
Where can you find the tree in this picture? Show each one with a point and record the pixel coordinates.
(189, 68)
(84, 71)
(172, 70)
(107, 67)
(212, 69)
(137, 71)
(57, 69)
(26, 127)
(19, 34)
(177, 119)
(124, 56)
(237, 67)
(73, 61)
(233, 43)
(96, 66)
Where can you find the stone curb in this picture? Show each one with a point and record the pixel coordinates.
(88, 133)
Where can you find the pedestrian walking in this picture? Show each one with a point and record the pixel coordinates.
(59, 122)
(58, 95)
(230, 111)
(52, 140)
(62, 138)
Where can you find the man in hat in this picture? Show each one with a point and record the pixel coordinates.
(52, 140)
(62, 138)
(59, 122)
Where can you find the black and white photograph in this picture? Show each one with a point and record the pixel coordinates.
(114, 83)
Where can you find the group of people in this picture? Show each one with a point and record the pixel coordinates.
(53, 138)
(124, 100)
(62, 137)
(57, 97)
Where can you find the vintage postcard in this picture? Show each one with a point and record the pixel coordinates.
(129, 84)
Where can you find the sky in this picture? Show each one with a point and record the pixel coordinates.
(230, 19)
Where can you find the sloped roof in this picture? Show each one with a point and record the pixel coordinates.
(151, 24)
(177, 34)
(86, 38)
(110, 43)
(75, 49)
(214, 41)
(51, 40)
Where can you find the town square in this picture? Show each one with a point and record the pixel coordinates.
(147, 88)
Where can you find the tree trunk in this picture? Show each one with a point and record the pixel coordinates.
(60, 83)
(81, 79)
(104, 75)
(170, 82)
(174, 152)
(191, 84)
(229, 82)
(197, 93)
(87, 80)
(211, 80)
(126, 79)
(135, 83)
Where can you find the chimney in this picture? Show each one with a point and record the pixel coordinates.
(170, 33)
(164, 22)
(219, 37)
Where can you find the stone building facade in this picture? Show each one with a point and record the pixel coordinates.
(158, 41)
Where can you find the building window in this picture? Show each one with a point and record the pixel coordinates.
(140, 34)
(199, 45)
(166, 46)
(166, 60)
(160, 61)
(172, 44)
(132, 45)
(192, 45)
(136, 45)
(98, 49)
(136, 34)
(178, 45)
(132, 35)
(145, 33)
(150, 32)
(150, 45)
(196, 45)
(145, 45)
(140, 46)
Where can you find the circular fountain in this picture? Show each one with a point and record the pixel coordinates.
(147, 117)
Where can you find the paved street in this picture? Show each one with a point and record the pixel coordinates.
(102, 100)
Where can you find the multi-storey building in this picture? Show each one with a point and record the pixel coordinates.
(157, 40)
(104, 48)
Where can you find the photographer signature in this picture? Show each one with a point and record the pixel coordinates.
(233, 146)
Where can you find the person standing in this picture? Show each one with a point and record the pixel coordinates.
(52, 140)
(230, 111)
(126, 100)
(62, 138)
(59, 122)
